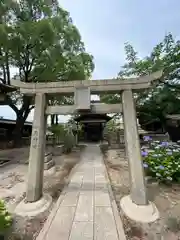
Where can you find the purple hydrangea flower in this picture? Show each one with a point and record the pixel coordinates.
(161, 167)
(144, 153)
(164, 144)
(147, 138)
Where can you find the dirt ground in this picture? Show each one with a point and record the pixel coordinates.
(13, 186)
(166, 198)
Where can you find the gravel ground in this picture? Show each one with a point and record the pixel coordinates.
(166, 198)
(13, 186)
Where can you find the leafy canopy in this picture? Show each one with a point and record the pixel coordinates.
(156, 103)
(39, 40)
(43, 43)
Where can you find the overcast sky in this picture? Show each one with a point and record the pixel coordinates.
(106, 25)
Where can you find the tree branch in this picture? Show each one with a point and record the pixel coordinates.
(12, 105)
(31, 108)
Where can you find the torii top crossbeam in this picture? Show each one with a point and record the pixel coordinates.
(96, 86)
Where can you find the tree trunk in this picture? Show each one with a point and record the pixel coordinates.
(18, 131)
(7, 69)
(52, 120)
(4, 75)
(22, 115)
(56, 119)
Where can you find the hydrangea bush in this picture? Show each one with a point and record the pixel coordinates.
(5, 218)
(161, 160)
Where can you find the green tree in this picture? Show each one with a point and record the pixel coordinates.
(40, 40)
(154, 104)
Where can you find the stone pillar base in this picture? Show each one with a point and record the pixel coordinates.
(140, 213)
(33, 209)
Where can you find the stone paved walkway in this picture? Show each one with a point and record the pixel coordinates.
(86, 210)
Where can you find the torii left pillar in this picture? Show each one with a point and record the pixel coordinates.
(37, 149)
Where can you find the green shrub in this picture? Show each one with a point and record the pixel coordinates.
(58, 130)
(5, 218)
(65, 133)
(162, 160)
(69, 142)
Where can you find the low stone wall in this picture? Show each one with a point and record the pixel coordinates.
(48, 161)
(116, 139)
(26, 141)
(159, 137)
(48, 158)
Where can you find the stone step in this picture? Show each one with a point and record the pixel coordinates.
(48, 165)
(47, 157)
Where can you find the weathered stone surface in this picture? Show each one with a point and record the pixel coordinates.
(110, 85)
(147, 213)
(84, 211)
(70, 199)
(37, 149)
(82, 231)
(138, 188)
(104, 225)
(47, 157)
(49, 164)
(84, 206)
(99, 108)
(61, 225)
(33, 209)
(58, 150)
(82, 98)
(102, 199)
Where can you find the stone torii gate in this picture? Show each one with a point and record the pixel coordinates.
(137, 201)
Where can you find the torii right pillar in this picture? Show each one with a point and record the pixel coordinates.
(136, 205)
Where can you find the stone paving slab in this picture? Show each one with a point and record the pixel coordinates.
(82, 231)
(70, 199)
(62, 224)
(85, 208)
(105, 226)
(102, 199)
